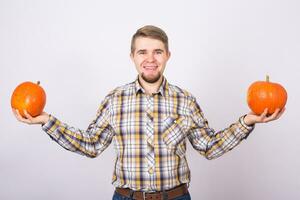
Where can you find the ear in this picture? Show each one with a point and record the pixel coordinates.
(169, 54)
(131, 56)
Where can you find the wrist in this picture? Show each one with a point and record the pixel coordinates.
(46, 119)
(248, 121)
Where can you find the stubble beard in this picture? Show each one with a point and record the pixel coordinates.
(152, 79)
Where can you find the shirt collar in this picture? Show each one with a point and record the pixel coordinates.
(163, 89)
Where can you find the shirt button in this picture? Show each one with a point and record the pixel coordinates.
(151, 170)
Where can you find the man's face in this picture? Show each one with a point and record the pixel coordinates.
(150, 58)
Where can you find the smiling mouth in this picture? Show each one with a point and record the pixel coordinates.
(152, 67)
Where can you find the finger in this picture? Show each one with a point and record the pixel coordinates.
(263, 115)
(273, 116)
(30, 119)
(18, 115)
(27, 115)
(14, 112)
(21, 118)
(280, 113)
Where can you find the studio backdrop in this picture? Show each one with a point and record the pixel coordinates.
(79, 51)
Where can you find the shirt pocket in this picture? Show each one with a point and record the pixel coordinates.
(174, 134)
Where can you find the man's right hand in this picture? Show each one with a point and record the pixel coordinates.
(40, 119)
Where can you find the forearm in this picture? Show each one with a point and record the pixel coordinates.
(75, 140)
(213, 144)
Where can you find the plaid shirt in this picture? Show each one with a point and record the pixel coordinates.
(149, 134)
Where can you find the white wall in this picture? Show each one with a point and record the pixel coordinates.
(79, 50)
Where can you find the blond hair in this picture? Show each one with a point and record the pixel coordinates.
(153, 32)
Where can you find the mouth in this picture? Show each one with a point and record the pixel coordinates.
(150, 67)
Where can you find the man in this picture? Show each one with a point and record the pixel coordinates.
(149, 121)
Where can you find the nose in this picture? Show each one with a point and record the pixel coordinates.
(150, 57)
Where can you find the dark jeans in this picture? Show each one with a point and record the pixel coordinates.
(117, 196)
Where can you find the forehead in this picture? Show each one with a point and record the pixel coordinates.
(148, 43)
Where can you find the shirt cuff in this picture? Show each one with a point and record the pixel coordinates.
(242, 120)
(51, 126)
(246, 128)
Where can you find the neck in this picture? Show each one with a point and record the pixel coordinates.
(150, 88)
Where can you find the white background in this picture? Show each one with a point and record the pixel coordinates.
(79, 50)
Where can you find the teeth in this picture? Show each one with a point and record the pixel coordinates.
(150, 66)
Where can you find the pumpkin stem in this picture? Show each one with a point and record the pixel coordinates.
(38, 82)
(267, 78)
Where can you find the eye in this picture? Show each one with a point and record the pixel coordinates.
(158, 52)
(141, 52)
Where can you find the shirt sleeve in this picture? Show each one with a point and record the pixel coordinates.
(210, 143)
(90, 142)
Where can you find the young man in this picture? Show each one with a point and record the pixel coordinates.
(149, 121)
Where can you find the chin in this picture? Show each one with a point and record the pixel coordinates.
(151, 79)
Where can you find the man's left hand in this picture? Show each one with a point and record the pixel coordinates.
(252, 118)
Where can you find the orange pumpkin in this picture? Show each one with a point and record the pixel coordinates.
(265, 94)
(30, 97)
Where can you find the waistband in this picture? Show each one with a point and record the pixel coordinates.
(161, 195)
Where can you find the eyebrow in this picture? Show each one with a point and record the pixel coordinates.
(161, 50)
(141, 50)
(144, 50)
